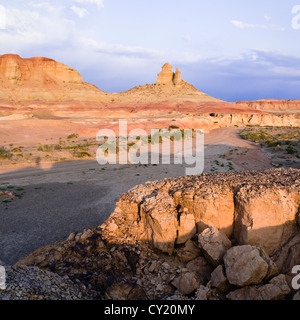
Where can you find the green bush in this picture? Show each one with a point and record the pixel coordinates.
(291, 150)
(73, 136)
(5, 154)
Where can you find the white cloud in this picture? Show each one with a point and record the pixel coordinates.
(43, 5)
(243, 25)
(81, 12)
(27, 29)
(98, 3)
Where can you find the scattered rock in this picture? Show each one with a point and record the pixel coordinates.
(140, 252)
(276, 289)
(187, 283)
(118, 289)
(244, 266)
(202, 293)
(297, 296)
(214, 244)
(218, 280)
(189, 252)
(32, 283)
(202, 269)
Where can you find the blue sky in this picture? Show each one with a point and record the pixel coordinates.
(233, 50)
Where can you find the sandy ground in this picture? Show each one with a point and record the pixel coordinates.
(66, 197)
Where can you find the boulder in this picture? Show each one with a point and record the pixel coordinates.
(119, 289)
(186, 283)
(202, 269)
(288, 255)
(189, 252)
(218, 280)
(245, 266)
(296, 297)
(276, 289)
(202, 293)
(246, 293)
(214, 244)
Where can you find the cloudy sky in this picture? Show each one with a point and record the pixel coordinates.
(233, 50)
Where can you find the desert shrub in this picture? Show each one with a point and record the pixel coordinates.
(73, 136)
(57, 147)
(45, 148)
(81, 154)
(272, 144)
(291, 150)
(5, 154)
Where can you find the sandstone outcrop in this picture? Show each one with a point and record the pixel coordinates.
(42, 78)
(273, 105)
(133, 252)
(199, 195)
(177, 77)
(167, 77)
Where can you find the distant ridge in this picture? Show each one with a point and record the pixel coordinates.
(40, 78)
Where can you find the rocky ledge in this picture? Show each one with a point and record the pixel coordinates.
(228, 236)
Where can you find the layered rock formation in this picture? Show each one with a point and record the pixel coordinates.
(177, 77)
(44, 79)
(167, 77)
(41, 78)
(223, 236)
(273, 105)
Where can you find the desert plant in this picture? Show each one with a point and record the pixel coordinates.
(73, 136)
(291, 150)
(5, 154)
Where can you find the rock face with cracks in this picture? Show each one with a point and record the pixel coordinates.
(136, 253)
